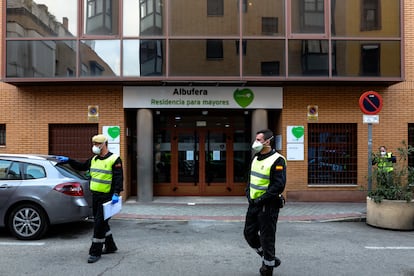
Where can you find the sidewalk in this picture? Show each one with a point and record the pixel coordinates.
(234, 209)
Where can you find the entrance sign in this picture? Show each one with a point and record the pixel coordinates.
(203, 97)
(370, 103)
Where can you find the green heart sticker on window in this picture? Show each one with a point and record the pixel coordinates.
(243, 97)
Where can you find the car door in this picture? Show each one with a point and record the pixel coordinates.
(10, 179)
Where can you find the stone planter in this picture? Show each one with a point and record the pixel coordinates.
(391, 214)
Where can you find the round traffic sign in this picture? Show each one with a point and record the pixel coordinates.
(370, 102)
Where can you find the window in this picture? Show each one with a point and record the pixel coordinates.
(270, 25)
(34, 172)
(2, 134)
(370, 60)
(270, 68)
(151, 57)
(315, 57)
(370, 15)
(312, 17)
(215, 7)
(332, 154)
(101, 17)
(214, 49)
(9, 170)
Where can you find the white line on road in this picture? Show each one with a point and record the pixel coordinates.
(390, 247)
(22, 243)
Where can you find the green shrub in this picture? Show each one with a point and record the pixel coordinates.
(396, 185)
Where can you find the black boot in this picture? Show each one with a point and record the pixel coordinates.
(110, 246)
(266, 270)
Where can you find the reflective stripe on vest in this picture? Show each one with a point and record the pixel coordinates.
(385, 164)
(101, 174)
(260, 175)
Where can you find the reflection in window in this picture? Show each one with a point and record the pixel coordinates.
(370, 60)
(57, 20)
(370, 15)
(143, 57)
(310, 16)
(332, 154)
(203, 58)
(40, 59)
(244, 47)
(270, 25)
(315, 57)
(101, 17)
(270, 68)
(150, 17)
(100, 57)
(264, 58)
(214, 49)
(130, 18)
(151, 57)
(215, 7)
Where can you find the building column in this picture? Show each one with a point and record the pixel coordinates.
(259, 121)
(144, 155)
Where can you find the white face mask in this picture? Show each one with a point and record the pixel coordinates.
(257, 146)
(96, 150)
(383, 153)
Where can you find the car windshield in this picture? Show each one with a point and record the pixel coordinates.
(68, 171)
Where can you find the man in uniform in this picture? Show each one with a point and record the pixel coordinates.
(264, 192)
(106, 183)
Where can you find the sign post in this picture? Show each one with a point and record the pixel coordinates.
(370, 104)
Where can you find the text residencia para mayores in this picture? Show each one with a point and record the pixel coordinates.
(192, 101)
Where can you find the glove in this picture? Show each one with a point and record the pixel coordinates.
(115, 198)
(62, 159)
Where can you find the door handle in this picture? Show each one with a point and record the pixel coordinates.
(4, 186)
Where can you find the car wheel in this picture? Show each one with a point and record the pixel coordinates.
(28, 222)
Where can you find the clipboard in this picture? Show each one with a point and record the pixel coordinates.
(110, 209)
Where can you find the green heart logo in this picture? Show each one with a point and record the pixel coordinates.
(114, 131)
(243, 97)
(298, 131)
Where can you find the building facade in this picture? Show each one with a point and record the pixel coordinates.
(181, 87)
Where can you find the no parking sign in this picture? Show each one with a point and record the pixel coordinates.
(370, 102)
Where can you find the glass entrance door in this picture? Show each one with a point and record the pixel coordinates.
(201, 153)
(203, 160)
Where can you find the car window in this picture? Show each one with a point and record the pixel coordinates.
(9, 170)
(34, 171)
(68, 171)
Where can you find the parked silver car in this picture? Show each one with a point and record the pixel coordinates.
(37, 191)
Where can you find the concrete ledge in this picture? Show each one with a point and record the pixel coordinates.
(326, 196)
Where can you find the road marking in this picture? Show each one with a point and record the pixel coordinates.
(22, 243)
(390, 247)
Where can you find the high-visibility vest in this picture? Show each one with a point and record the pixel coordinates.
(385, 163)
(260, 175)
(101, 173)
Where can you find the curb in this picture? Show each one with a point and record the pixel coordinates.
(352, 217)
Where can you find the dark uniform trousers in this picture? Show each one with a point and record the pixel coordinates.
(102, 232)
(263, 220)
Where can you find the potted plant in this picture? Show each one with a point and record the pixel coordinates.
(390, 204)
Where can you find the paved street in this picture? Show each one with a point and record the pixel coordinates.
(167, 247)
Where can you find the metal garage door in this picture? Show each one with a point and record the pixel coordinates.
(73, 140)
